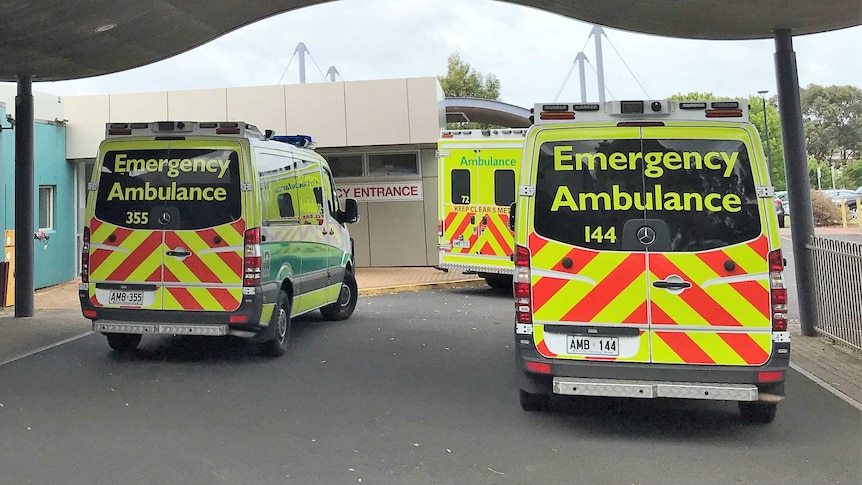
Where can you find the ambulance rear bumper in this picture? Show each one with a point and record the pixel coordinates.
(649, 380)
(653, 389)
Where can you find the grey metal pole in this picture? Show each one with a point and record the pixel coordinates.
(24, 214)
(580, 58)
(331, 73)
(600, 64)
(796, 166)
(302, 50)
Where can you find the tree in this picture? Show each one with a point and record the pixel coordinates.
(832, 120)
(461, 80)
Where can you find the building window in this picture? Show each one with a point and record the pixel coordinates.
(393, 164)
(345, 165)
(46, 207)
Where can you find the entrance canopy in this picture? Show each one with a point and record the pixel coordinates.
(54, 40)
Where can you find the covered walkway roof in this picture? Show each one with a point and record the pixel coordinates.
(486, 111)
(54, 40)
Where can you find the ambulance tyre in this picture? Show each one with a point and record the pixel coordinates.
(534, 402)
(758, 412)
(347, 297)
(123, 342)
(280, 324)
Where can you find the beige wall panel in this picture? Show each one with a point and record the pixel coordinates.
(262, 106)
(318, 110)
(47, 107)
(422, 101)
(397, 233)
(85, 129)
(361, 241)
(377, 112)
(139, 107)
(197, 105)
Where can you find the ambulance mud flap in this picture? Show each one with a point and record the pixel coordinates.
(654, 389)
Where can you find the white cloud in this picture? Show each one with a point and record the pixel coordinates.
(529, 50)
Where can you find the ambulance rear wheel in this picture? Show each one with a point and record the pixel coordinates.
(534, 402)
(347, 298)
(123, 342)
(757, 412)
(280, 324)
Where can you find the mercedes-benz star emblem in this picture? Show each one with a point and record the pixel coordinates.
(646, 235)
(165, 218)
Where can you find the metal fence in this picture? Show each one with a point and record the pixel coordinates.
(838, 289)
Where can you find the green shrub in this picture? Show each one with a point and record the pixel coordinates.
(826, 213)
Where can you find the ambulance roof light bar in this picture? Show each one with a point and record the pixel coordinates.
(182, 128)
(640, 110)
(484, 133)
(301, 141)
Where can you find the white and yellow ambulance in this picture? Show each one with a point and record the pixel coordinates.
(477, 173)
(212, 228)
(647, 256)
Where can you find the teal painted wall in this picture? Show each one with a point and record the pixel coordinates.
(55, 261)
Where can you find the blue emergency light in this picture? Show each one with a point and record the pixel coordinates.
(301, 141)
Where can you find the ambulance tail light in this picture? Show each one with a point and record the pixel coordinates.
(777, 291)
(523, 290)
(251, 260)
(557, 115)
(85, 257)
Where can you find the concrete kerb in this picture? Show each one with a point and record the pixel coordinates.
(419, 287)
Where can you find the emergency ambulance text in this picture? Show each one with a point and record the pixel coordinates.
(657, 199)
(172, 167)
(655, 162)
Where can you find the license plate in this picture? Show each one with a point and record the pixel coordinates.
(126, 298)
(590, 345)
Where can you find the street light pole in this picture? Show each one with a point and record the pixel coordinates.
(766, 132)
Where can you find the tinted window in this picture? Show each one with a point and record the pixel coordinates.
(460, 186)
(169, 189)
(504, 187)
(698, 194)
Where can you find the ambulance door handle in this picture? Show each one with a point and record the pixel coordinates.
(180, 254)
(672, 285)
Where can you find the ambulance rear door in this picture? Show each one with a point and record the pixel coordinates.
(705, 233)
(589, 291)
(477, 185)
(167, 230)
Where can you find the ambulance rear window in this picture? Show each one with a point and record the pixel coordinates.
(504, 187)
(169, 188)
(460, 186)
(695, 194)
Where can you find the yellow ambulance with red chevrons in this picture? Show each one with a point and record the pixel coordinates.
(477, 173)
(647, 256)
(212, 228)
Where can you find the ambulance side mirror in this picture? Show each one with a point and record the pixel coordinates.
(512, 216)
(350, 214)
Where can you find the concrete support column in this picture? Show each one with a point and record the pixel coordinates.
(796, 166)
(24, 188)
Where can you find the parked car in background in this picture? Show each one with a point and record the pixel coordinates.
(785, 201)
(848, 197)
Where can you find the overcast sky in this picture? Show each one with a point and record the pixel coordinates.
(529, 50)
